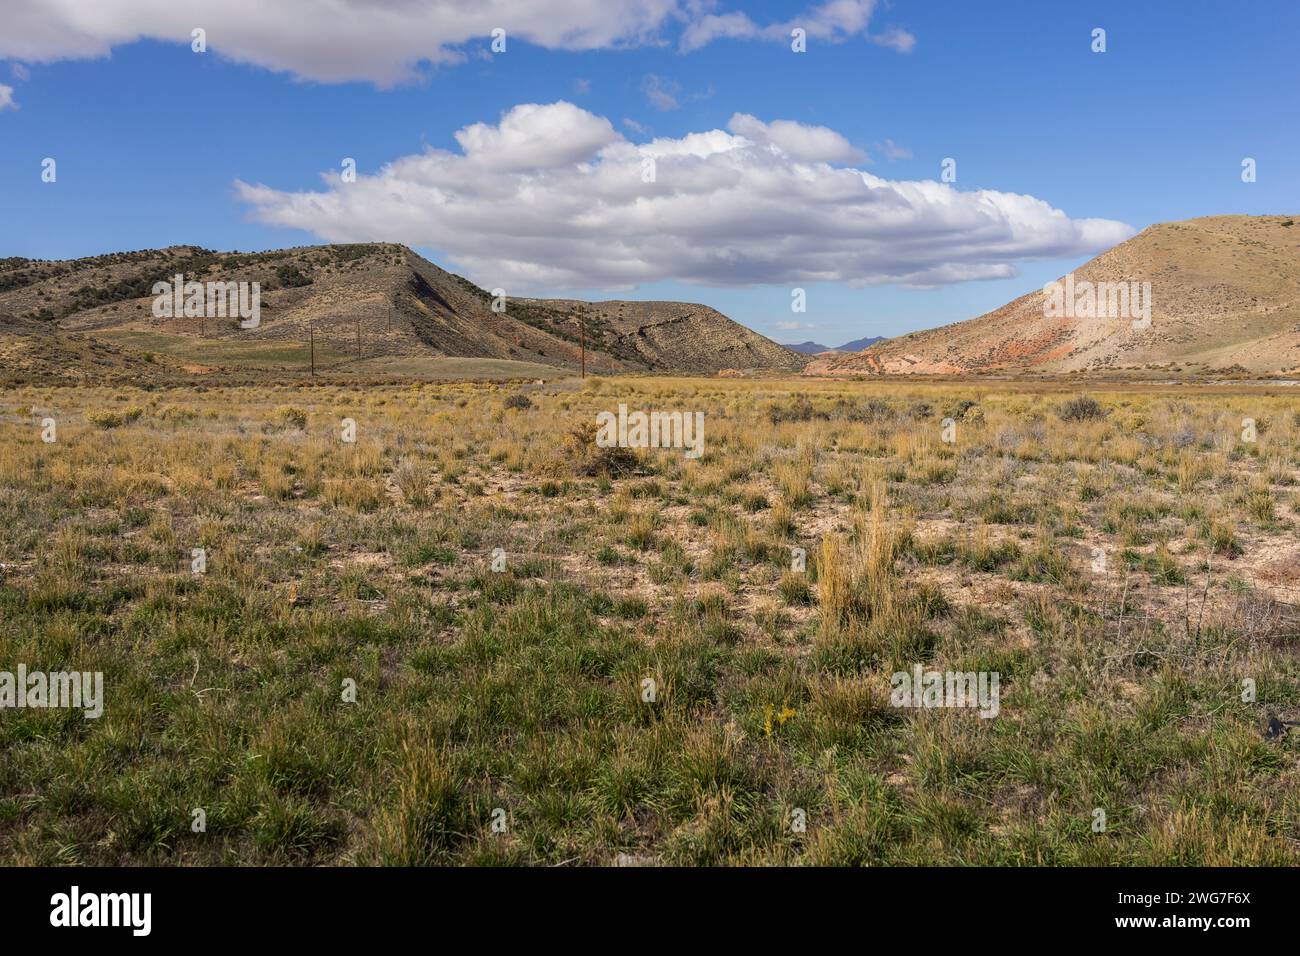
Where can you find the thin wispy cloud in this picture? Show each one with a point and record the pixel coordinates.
(661, 93)
(553, 196)
(665, 95)
(892, 151)
(896, 39)
(834, 21)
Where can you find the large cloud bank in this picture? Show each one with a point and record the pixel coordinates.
(385, 41)
(552, 196)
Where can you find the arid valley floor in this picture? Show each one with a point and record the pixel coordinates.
(1129, 565)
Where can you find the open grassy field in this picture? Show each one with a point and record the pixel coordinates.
(215, 351)
(332, 360)
(564, 654)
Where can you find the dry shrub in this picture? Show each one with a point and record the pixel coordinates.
(591, 461)
(1082, 408)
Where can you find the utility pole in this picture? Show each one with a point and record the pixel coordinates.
(358, 338)
(582, 337)
(311, 331)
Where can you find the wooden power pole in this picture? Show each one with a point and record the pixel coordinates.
(311, 331)
(582, 337)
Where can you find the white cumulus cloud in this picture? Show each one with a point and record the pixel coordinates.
(809, 143)
(386, 41)
(532, 137)
(7, 98)
(382, 41)
(552, 196)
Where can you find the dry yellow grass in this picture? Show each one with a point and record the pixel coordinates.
(1124, 573)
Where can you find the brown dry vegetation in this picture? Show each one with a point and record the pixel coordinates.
(1124, 568)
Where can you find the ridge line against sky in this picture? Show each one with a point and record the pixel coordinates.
(522, 163)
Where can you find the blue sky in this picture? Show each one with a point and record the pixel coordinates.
(151, 140)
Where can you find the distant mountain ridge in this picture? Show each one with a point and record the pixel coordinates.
(382, 300)
(812, 348)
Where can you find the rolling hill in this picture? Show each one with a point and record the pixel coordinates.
(1224, 297)
(374, 303)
